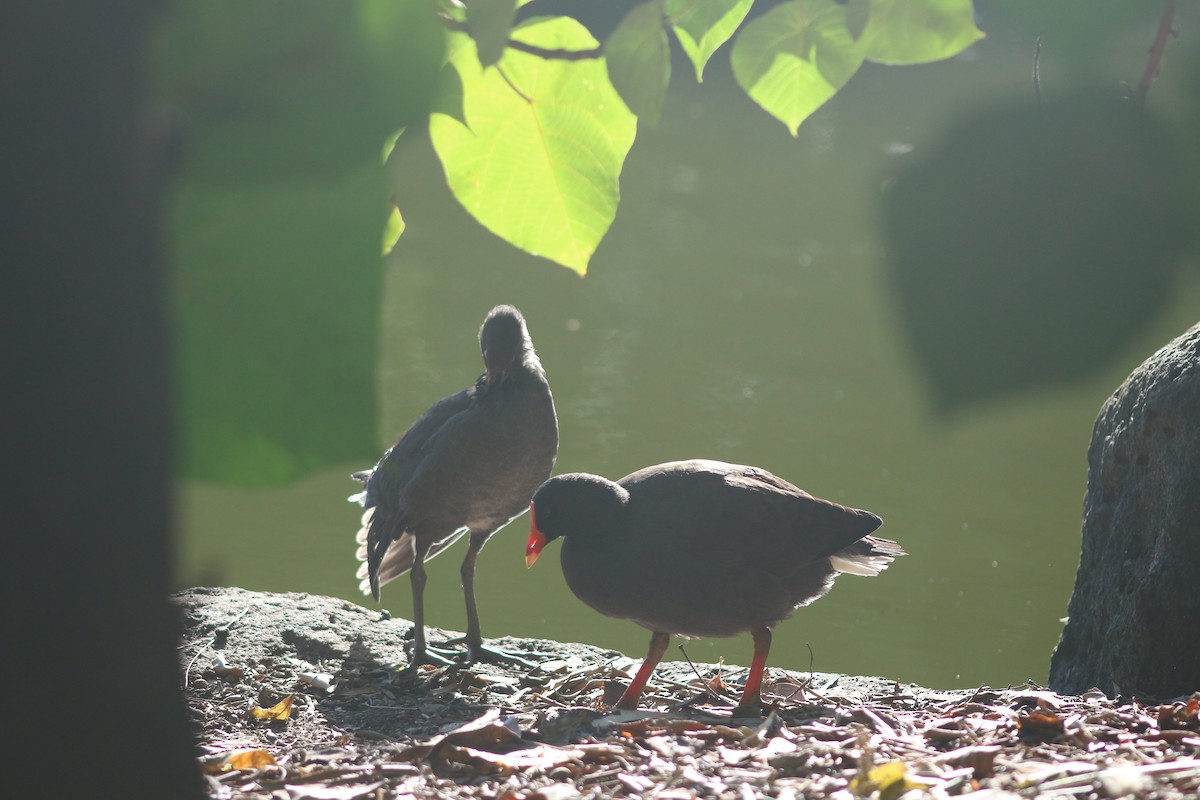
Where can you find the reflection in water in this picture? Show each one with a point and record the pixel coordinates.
(1030, 246)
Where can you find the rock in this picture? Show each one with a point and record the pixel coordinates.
(1135, 610)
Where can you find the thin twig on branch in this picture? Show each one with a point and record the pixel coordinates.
(551, 53)
(1166, 26)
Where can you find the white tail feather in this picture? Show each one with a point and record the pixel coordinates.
(860, 565)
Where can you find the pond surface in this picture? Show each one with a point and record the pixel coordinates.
(739, 309)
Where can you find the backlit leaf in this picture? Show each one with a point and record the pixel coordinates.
(392, 230)
(702, 26)
(918, 31)
(639, 61)
(795, 57)
(539, 158)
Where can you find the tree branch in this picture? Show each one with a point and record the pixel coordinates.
(1165, 29)
(555, 54)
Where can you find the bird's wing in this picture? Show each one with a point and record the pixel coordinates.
(387, 517)
(746, 514)
(403, 460)
(824, 526)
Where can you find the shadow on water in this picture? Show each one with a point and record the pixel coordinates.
(1031, 245)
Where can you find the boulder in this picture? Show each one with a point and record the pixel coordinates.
(1134, 616)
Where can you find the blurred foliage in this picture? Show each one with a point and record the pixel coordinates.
(1047, 234)
(1031, 244)
(280, 111)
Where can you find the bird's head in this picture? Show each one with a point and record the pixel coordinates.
(504, 342)
(576, 504)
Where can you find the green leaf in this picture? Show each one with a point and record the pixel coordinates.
(389, 144)
(489, 22)
(794, 58)
(539, 159)
(392, 229)
(639, 61)
(448, 99)
(857, 14)
(702, 26)
(918, 31)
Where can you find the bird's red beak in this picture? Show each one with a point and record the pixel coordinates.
(537, 539)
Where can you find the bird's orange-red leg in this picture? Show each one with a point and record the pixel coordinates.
(658, 646)
(751, 702)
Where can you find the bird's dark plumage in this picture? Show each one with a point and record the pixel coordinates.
(702, 548)
(468, 465)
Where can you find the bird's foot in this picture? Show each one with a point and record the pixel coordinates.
(494, 655)
(479, 652)
(427, 655)
(749, 710)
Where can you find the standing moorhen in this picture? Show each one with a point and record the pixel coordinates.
(701, 548)
(468, 464)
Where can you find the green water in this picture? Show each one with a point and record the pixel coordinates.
(738, 310)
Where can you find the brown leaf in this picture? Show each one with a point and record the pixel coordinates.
(981, 758)
(1180, 716)
(487, 732)
(487, 745)
(1039, 726)
(1036, 698)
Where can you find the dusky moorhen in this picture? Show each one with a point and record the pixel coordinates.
(469, 464)
(701, 548)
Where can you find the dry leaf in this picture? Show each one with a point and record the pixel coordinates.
(1180, 716)
(890, 780)
(981, 758)
(250, 758)
(280, 711)
(1038, 726)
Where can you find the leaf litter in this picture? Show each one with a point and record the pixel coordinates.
(363, 726)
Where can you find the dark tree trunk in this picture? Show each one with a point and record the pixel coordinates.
(92, 702)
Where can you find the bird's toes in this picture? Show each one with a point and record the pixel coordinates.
(425, 655)
(492, 655)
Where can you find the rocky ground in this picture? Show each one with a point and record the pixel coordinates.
(298, 697)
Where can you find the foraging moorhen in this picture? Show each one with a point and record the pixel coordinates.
(701, 548)
(469, 464)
